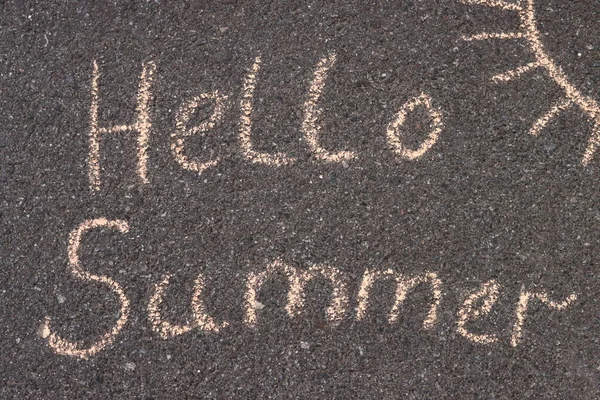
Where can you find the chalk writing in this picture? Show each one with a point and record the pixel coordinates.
(254, 156)
(142, 125)
(403, 285)
(476, 304)
(63, 346)
(181, 131)
(298, 280)
(310, 126)
(201, 319)
(469, 312)
(522, 310)
(394, 133)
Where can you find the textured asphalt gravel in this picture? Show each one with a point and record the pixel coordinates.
(487, 202)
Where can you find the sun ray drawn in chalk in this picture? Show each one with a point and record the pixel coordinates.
(514, 73)
(571, 95)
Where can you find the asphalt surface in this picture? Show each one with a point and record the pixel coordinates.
(488, 201)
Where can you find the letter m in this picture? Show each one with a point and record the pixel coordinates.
(403, 286)
(297, 279)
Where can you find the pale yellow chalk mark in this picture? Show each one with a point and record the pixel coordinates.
(63, 346)
(298, 280)
(394, 128)
(141, 124)
(403, 286)
(521, 311)
(530, 32)
(43, 330)
(556, 109)
(245, 138)
(515, 73)
(310, 125)
(468, 312)
(203, 320)
(167, 330)
(497, 35)
(181, 131)
(593, 142)
(505, 5)
(339, 304)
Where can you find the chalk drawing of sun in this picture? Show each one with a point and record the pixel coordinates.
(529, 33)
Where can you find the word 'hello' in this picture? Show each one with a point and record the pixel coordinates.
(476, 304)
(310, 126)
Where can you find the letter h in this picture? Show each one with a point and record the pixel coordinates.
(141, 124)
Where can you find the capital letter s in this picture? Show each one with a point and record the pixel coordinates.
(63, 346)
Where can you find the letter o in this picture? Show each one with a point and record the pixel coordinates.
(394, 133)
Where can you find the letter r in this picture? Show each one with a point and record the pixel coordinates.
(141, 124)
